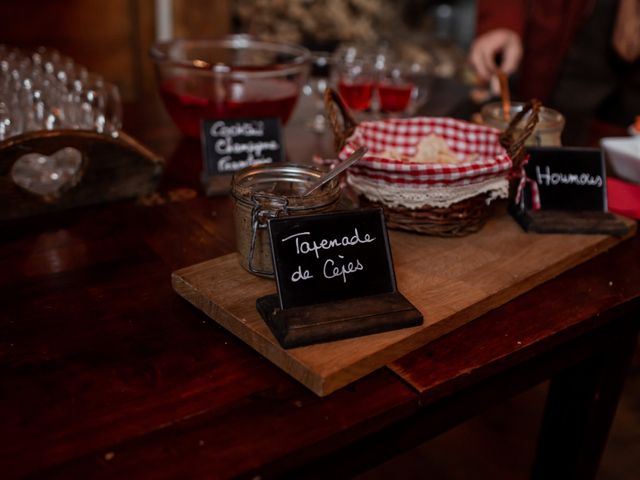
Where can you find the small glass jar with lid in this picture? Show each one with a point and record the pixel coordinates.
(547, 132)
(262, 192)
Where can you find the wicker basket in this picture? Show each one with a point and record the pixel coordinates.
(457, 219)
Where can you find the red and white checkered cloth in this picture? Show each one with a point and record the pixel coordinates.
(403, 135)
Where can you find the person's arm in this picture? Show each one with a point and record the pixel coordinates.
(500, 28)
(495, 14)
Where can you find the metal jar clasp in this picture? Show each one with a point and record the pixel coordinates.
(265, 207)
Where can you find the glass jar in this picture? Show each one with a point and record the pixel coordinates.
(262, 192)
(547, 132)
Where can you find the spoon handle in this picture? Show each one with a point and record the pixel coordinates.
(341, 167)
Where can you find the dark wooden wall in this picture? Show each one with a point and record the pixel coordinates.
(108, 37)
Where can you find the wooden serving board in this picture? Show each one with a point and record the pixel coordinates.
(450, 280)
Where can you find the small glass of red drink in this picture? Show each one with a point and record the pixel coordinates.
(355, 81)
(401, 88)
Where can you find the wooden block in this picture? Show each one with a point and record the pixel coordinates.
(450, 281)
(556, 221)
(326, 322)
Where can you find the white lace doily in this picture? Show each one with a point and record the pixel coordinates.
(415, 197)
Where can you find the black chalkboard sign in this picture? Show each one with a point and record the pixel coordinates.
(232, 144)
(331, 257)
(335, 279)
(567, 179)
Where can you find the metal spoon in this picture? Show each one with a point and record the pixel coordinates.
(341, 167)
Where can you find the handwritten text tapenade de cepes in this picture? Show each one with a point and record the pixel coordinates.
(335, 266)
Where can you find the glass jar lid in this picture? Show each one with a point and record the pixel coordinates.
(284, 180)
(548, 119)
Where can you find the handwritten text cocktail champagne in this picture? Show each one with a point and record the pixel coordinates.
(257, 152)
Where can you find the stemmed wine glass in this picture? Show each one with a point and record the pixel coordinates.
(402, 88)
(354, 76)
(376, 82)
(316, 85)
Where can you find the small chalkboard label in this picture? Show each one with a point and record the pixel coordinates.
(331, 257)
(232, 144)
(567, 179)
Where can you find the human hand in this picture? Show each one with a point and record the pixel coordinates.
(485, 48)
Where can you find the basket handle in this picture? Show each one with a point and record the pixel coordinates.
(513, 139)
(342, 127)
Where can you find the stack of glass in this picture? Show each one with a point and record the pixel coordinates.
(45, 90)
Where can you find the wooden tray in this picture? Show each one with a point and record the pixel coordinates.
(450, 280)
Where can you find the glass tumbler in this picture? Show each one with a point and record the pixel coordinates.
(547, 132)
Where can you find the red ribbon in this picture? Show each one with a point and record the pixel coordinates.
(524, 180)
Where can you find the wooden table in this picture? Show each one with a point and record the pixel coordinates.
(106, 372)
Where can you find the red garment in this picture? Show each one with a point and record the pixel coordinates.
(547, 29)
(623, 197)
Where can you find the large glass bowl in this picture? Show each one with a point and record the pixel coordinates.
(229, 77)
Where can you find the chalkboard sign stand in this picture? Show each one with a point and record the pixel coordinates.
(335, 279)
(326, 322)
(567, 185)
(231, 144)
(559, 221)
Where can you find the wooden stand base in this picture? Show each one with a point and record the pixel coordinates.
(556, 221)
(114, 168)
(299, 326)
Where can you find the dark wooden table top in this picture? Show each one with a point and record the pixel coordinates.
(106, 372)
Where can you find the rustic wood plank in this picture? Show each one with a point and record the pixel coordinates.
(580, 407)
(250, 432)
(555, 221)
(480, 394)
(97, 351)
(189, 232)
(105, 372)
(300, 326)
(81, 392)
(494, 342)
(451, 282)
